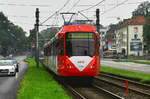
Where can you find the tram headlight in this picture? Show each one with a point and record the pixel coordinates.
(91, 66)
(69, 66)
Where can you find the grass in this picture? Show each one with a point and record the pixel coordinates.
(132, 60)
(137, 75)
(38, 84)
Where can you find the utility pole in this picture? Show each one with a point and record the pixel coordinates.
(98, 28)
(127, 41)
(37, 36)
(97, 20)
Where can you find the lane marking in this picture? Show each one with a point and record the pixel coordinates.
(16, 75)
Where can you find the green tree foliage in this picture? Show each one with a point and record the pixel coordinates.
(48, 33)
(12, 37)
(147, 33)
(144, 10)
(32, 39)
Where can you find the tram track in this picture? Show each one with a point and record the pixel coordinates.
(90, 92)
(114, 96)
(132, 84)
(82, 90)
(117, 85)
(74, 93)
(102, 86)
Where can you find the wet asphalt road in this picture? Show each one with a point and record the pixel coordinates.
(10, 84)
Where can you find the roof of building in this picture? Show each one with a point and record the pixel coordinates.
(136, 20)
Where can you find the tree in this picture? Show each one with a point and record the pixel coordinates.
(142, 10)
(147, 33)
(12, 37)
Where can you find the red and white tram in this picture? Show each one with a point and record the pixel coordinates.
(74, 51)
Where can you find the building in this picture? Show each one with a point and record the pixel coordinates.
(103, 31)
(129, 36)
(110, 38)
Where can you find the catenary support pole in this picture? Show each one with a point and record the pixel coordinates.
(37, 35)
(98, 29)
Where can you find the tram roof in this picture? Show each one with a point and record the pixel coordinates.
(73, 28)
(78, 28)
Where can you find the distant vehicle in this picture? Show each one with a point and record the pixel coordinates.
(16, 64)
(8, 67)
(10, 56)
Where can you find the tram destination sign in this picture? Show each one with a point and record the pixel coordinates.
(79, 35)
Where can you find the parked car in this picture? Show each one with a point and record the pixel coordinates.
(7, 67)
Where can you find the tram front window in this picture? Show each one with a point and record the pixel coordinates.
(80, 44)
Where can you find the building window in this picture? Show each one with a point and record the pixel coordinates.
(135, 29)
(135, 36)
(103, 33)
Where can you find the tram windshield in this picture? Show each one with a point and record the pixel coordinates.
(80, 44)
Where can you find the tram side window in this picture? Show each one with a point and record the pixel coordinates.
(45, 52)
(61, 47)
(48, 51)
(54, 48)
(57, 47)
(97, 45)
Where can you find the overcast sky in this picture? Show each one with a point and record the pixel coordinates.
(22, 12)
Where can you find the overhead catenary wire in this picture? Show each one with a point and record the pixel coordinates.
(64, 5)
(111, 4)
(48, 18)
(14, 4)
(54, 21)
(26, 17)
(57, 19)
(55, 12)
(93, 6)
(129, 3)
(119, 4)
(83, 15)
(74, 5)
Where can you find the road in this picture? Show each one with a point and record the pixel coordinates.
(126, 65)
(10, 84)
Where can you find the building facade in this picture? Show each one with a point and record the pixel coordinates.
(111, 39)
(103, 31)
(129, 37)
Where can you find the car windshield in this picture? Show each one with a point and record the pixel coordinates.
(5, 63)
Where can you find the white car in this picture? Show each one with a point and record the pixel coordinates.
(7, 67)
